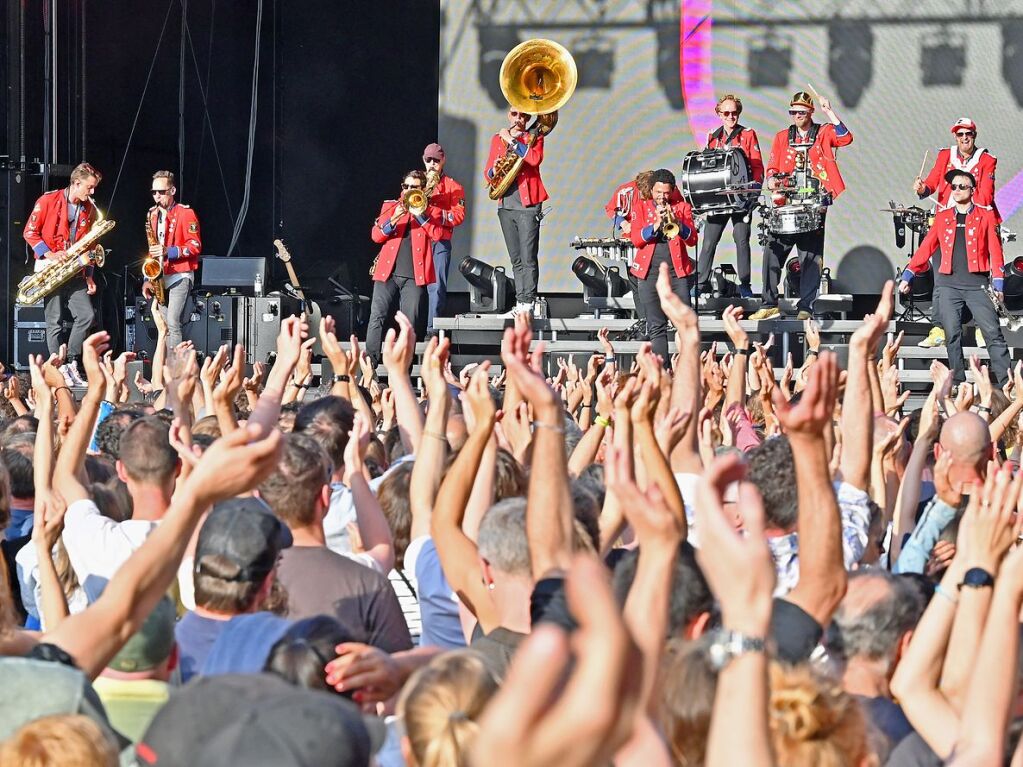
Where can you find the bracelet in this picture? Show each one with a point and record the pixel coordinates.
(435, 435)
(342, 379)
(586, 407)
(941, 592)
(983, 409)
(609, 358)
(65, 388)
(300, 386)
(552, 427)
(813, 351)
(742, 349)
(602, 420)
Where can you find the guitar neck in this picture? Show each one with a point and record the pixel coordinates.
(294, 280)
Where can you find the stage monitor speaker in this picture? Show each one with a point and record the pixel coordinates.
(239, 272)
(29, 333)
(140, 331)
(225, 322)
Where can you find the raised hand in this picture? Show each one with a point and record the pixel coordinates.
(234, 464)
(332, 348)
(229, 386)
(399, 348)
(732, 315)
(294, 330)
(990, 523)
(93, 349)
(479, 406)
(682, 317)
(816, 407)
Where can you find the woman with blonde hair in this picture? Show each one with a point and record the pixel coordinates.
(439, 707)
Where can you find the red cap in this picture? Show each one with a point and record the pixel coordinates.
(964, 122)
(433, 152)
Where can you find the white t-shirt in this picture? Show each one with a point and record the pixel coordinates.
(97, 546)
(27, 560)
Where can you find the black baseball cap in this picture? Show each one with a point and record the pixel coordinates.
(245, 532)
(956, 172)
(258, 719)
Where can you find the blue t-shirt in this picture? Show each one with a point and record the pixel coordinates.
(195, 636)
(244, 644)
(441, 625)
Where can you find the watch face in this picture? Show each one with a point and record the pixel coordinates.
(717, 655)
(975, 577)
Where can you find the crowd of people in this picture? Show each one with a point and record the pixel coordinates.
(634, 561)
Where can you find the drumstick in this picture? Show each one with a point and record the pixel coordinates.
(923, 165)
(814, 92)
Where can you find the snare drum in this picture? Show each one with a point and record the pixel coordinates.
(794, 219)
(708, 174)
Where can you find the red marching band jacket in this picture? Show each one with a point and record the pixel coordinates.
(750, 145)
(821, 157)
(181, 238)
(531, 188)
(983, 244)
(448, 200)
(422, 235)
(981, 166)
(48, 229)
(644, 213)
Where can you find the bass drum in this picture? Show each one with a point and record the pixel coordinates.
(707, 174)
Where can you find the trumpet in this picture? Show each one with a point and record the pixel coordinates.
(669, 226)
(1012, 322)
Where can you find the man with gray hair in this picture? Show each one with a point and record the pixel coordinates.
(868, 634)
(505, 565)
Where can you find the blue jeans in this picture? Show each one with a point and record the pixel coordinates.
(438, 290)
(175, 312)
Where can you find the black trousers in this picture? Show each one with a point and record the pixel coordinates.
(521, 230)
(950, 305)
(810, 247)
(713, 228)
(409, 297)
(73, 297)
(656, 320)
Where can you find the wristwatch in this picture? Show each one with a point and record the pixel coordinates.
(342, 379)
(977, 578)
(728, 645)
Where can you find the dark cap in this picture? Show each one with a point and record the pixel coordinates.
(245, 532)
(433, 152)
(956, 172)
(258, 719)
(152, 644)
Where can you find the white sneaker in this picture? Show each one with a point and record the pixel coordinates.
(73, 375)
(522, 309)
(65, 370)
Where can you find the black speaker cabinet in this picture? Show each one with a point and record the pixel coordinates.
(263, 324)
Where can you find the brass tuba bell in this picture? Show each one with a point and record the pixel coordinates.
(538, 77)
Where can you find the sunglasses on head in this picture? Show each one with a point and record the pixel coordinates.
(961, 186)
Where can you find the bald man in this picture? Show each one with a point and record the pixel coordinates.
(967, 437)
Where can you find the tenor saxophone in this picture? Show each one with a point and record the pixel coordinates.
(152, 267)
(82, 254)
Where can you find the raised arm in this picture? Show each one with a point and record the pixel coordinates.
(71, 459)
(398, 350)
(233, 464)
(267, 412)
(457, 552)
(373, 528)
(549, 513)
(686, 394)
(433, 447)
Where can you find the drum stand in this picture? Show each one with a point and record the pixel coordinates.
(910, 311)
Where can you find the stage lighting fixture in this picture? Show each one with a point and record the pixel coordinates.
(943, 58)
(607, 283)
(669, 73)
(1013, 286)
(793, 275)
(850, 58)
(769, 61)
(489, 287)
(595, 59)
(722, 282)
(1012, 58)
(494, 42)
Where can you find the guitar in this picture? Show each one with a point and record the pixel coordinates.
(311, 308)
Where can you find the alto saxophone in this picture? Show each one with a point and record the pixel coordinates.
(80, 255)
(152, 266)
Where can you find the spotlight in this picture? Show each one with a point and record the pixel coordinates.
(793, 274)
(1012, 57)
(597, 283)
(489, 286)
(495, 42)
(595, 59)
(1013, 287)
(769, 61)
(943, 58)
(722, 282)
(669, 74)
(850, 58)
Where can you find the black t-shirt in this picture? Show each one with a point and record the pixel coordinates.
(961, 276)
(496, 648)
(403, 261)
(795, 632)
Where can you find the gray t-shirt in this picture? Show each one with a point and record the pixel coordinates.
(322, 582)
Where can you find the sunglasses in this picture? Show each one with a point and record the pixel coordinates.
(728, 113)
(965, 133)
(160, 192)
(516, 114)
(960, 186)
(411, 186)
(795, 112)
